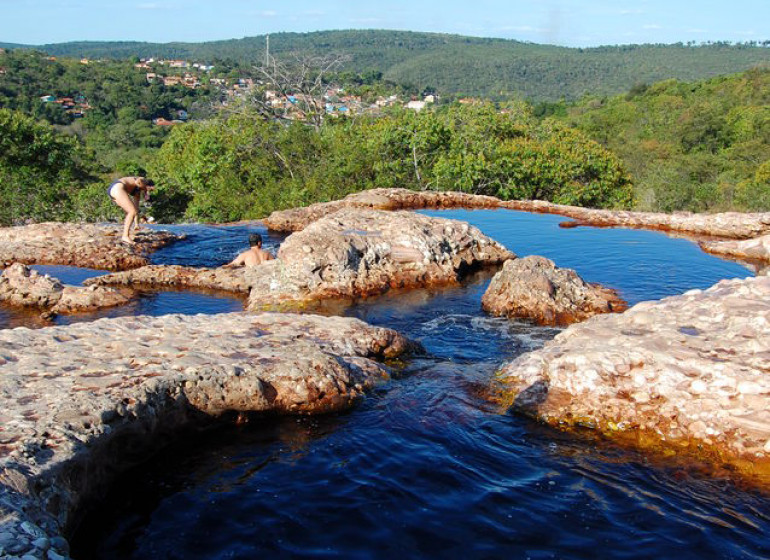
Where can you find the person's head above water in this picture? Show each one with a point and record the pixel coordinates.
(255, 240)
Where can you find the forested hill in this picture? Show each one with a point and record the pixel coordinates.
(457, 65)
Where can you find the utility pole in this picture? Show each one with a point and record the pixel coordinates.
(267, 50)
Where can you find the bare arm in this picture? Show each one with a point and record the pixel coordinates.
(137, 194)
(237, 261)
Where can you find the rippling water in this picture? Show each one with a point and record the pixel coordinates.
(426, 466)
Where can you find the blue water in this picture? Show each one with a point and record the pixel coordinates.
(426, 466)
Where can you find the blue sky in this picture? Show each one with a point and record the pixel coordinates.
(562, 22)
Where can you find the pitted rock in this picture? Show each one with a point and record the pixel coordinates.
(82, 245)
(688, 371)
(128, 382)
(359, 253)
(535, 288)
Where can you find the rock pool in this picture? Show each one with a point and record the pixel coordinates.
(427, 466)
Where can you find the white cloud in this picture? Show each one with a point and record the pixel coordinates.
(652, 26)
(696, 30)
(268, 13)
(148, 6)
(636, 12)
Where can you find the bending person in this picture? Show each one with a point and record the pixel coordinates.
(126, 192)
(254, 255)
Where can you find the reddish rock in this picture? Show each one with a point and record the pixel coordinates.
(296, 219)
(358, 253)
(733, 225)
(127, 385)
(21, 286)
(222, 278)
(687, 374)
(754, 250)
(82, 245)
(535, 288)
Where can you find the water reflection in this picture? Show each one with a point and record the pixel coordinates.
(427, 466)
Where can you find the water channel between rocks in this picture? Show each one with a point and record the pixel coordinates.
(426, 466)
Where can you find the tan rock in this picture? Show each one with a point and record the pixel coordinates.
(755, 250)
(129, 384)
(733, 225)
(535, 288)
(82, 245)
(684, 368)
(22, 286)
(358, 253)
(222, 278)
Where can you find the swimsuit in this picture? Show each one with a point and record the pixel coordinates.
(119, 182)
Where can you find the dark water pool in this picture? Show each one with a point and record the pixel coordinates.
(425, 466)
(205, 246)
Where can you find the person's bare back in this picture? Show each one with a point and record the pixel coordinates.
(253, 256)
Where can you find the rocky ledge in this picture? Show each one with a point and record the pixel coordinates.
(68, 424)
(353, 253)
(82, 245)
(535, 288)
(733, 225)
(754, 250)
(222, 278)
(688, 374)
(297, 219)
(359, 253)
(21, 286)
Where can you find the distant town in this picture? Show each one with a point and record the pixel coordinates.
(334, 102)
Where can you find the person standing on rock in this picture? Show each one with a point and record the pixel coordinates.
(126, 192)
(253, 256)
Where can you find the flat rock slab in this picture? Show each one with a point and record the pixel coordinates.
(688, 373)
(82, 245)
(76, 401)
(535, 288)
(755, 250)
(222, 278)
(21, 286)
(733, 225)
(358, 253)
(297, 219)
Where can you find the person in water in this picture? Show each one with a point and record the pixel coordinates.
(254, 255)
(126, 192)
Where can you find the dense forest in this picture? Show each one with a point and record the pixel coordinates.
(455, 65)
(696, 146)
(669, 145)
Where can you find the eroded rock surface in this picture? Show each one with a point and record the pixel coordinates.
(689, 372)
(535, 288)
(358, 253)
(82, 245)
(80, 402)
(756, 250)
(222, 278)
(733, 225)
(21, 286)
(297, 219)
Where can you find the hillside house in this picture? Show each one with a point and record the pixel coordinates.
(47, 98)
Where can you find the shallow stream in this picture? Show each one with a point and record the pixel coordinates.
(426, 466)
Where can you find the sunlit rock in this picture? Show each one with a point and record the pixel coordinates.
(82, 245)
(535, 288)
(176, 276)
(734, 225)
(82, 402)
(756, 250)
(688, 372)
(21, 286)
(297, 219)
(358, 253)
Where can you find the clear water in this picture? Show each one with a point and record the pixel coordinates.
(426, 466)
